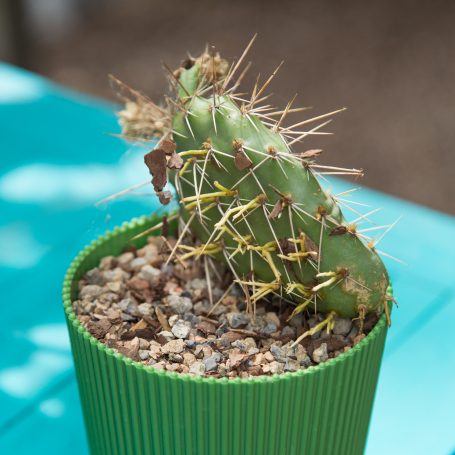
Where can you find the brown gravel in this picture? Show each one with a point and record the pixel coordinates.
(161, 315)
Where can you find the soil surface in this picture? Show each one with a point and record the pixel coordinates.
(169, 317)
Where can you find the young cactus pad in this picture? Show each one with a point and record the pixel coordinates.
(250, 199)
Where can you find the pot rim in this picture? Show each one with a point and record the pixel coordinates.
(72, 319)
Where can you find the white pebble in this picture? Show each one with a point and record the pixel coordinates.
(181, 329)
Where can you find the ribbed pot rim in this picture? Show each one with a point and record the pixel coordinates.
(70, 276)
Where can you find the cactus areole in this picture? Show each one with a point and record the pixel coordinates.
(250, 199)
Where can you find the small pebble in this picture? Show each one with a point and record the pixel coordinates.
(236, 320)
(108, 263)
(128, 317)
(296, 321)
(115, 286)
(155, 351)
(197, 368)
(173, 319)
(191, 318)
(291, 365)
(240, 344)
(320, 354)
(211, 363)
(250, 342)
(269, 328)
(144, 354)
(129, 306)
(95, 276)
(359, 338)
(272, 318)
(188, 358)
(277, 353)
(116, 275)
(149, 273)
(124, 260)
(207, 351)
(257, 325)
(166, 335)
(181, 329)
(179, 304)
(269, 356)
(202, 307)
(288, 331)
(144, 344)
(190, 343)
(90, 291)
(342, 326)
(223, 370)
(276, 367)
(198, 283)
(175, 357)
(353, 332)
(137, 263)
(145, 309)
(173, 346)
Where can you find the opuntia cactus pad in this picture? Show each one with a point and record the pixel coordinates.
(250, 198)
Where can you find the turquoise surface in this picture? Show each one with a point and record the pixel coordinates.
(58, 160)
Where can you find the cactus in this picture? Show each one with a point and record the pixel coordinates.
(251, 201)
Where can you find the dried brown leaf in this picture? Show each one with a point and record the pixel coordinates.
(162, 318)
(311, 153)
(165, 227)
(156, 163)
(168, 146)
(139, 325)
(277, 209)
(241, 161)
(339, 230)
(175, 161)
(309, 245)
(164, 196)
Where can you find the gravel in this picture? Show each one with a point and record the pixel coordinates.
(162, 316)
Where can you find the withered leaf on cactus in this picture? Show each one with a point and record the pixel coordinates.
(277, 209)
(241, 160)
(309, 245)
(164, 197)
(175, 161)
(168, 146)
(310, 153)
(338, 230)
(156, 162)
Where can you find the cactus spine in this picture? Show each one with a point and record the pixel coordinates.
(254, 203)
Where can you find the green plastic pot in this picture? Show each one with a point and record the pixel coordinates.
(130, 408)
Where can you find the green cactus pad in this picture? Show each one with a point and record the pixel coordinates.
(258, 206)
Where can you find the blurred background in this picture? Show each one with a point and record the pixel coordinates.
(390, 63)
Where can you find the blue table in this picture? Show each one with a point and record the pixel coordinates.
(57, 162)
